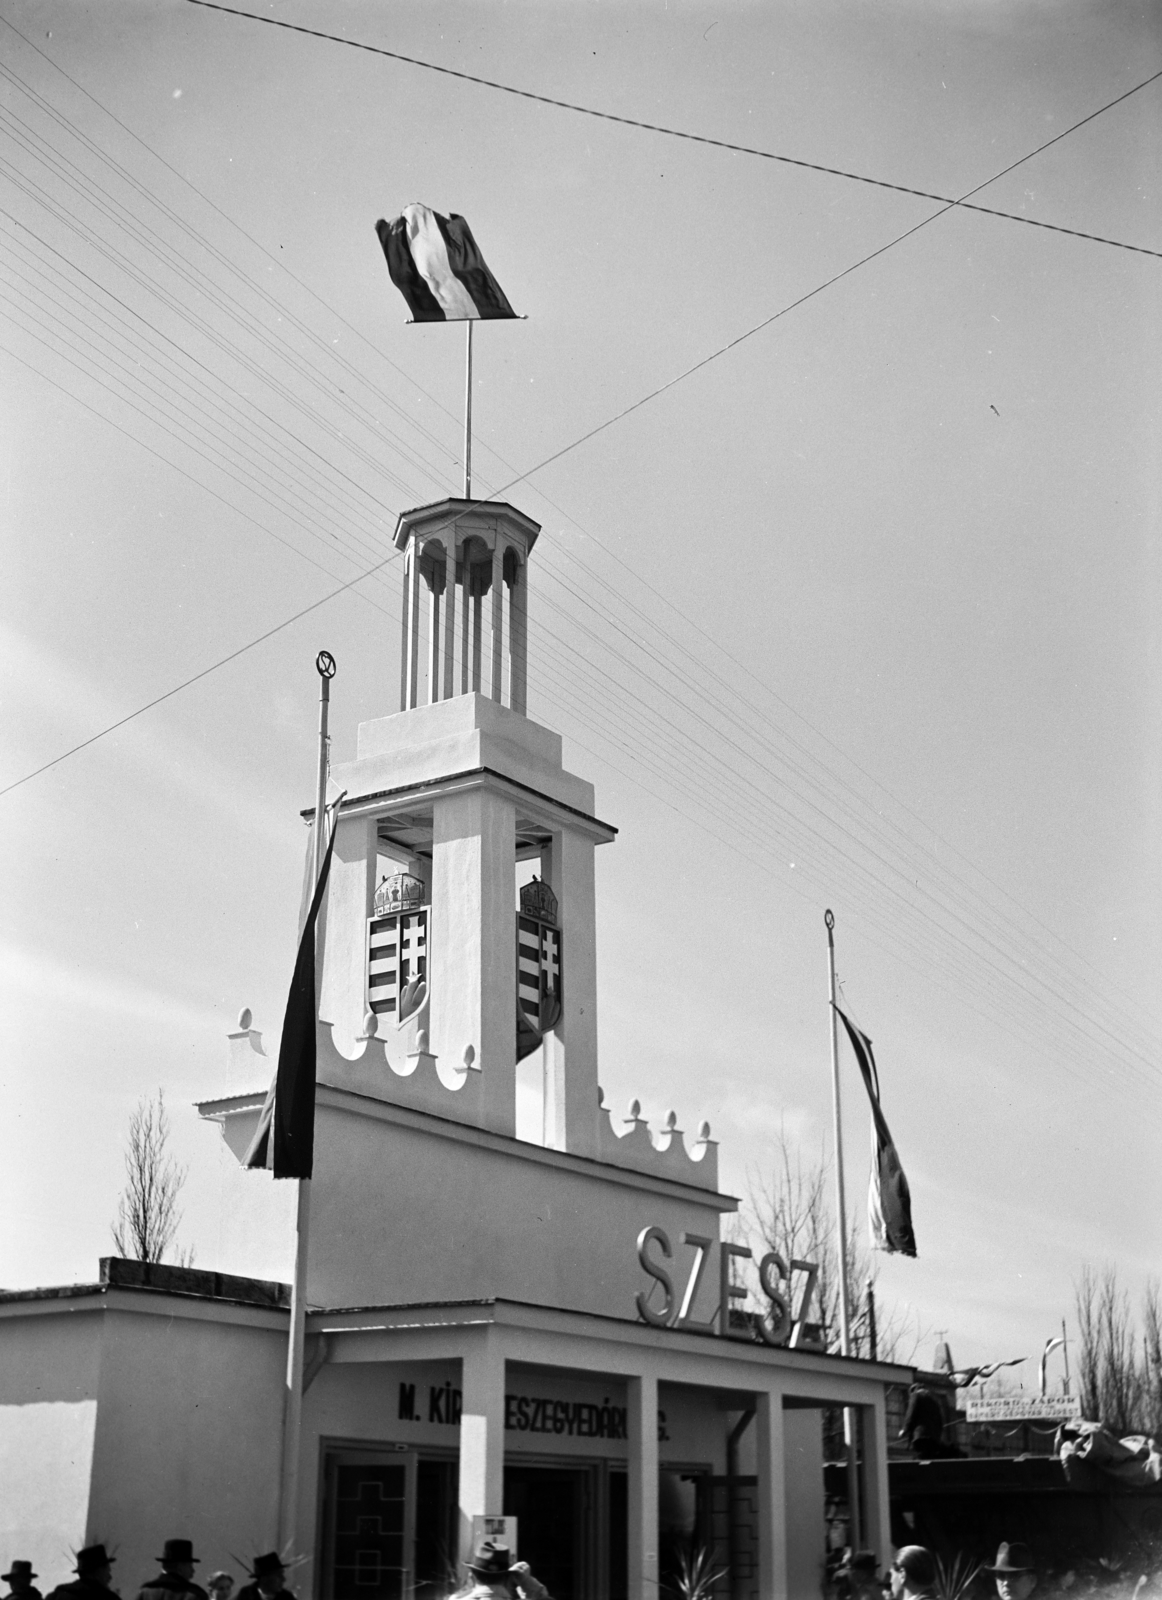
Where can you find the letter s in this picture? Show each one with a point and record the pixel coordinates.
(778, 1329)
(656, 1319)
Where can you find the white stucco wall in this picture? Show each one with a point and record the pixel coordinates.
(48, 1414)
(806, 1528)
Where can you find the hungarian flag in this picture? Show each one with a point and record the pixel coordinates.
(436, 265)
(285, 1137)
(889, 1200)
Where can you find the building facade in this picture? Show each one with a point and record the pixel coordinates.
(550, 1330)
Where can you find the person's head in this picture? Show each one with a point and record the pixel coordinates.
(913, 1571)
(178, 1557)
(491, 1564)
(19, 1577)
(1014, 1572)
(95, 1565)
(220, 1584)
(269, 1574)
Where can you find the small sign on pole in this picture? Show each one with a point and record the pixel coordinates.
(500, 1529)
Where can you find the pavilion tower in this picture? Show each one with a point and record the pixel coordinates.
(424, 947)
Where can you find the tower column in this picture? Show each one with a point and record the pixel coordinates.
(412, 664)
(449, 685)
(434, 635)
(472, 944)
(496, 676)
(570, 1050)
(518, 619)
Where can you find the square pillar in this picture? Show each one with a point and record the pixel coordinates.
(772, 1496)
(472, 945)
(481, 1436)
(878, 1532)
(341, 946)
(434, 653)
(412, 633)
(570, 1050)
(642, 1417)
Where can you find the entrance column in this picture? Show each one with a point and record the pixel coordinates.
(772, 1497)
(878, 1534)
(642, 1417)
(481, 1436)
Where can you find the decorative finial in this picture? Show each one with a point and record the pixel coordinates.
(325, 664)
(370, 1024)
(469, 1055)
(635, 1110)
(422, 1041)
(245, 1018)
(671, 1121)
(703, 1132)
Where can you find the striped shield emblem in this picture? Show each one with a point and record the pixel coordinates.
(538, 974)
(397, 964)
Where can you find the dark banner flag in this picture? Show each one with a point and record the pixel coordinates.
(436, 265)
(889, 1201)
(285, 1137)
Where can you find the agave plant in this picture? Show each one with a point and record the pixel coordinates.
(954, 1577)
(694, 1579)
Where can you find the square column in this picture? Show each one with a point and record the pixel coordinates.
(518, 635)
(878, 1533)
(570, 1051)
(770, 1451)
(642, 1416)
(481, 1437)
(472, 945)
(341, 947)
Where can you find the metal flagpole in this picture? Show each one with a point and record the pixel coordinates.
(468, 418)
(293, 1407)
(841, 1234)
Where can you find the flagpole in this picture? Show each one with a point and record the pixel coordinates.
(841, 1233)
(468, 416)
(293, 1405)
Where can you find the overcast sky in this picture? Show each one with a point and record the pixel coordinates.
(860, 614)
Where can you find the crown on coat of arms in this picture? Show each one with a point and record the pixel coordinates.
(400, 892)
(538, 900)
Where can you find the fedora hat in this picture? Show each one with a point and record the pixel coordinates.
(265, 1565)
(178, 1551)
(93, 1555)
(1013, 1558)
(20, 1569)
(491, 1560)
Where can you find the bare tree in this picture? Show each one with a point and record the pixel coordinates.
(1116, 1387)
(790, 1211)
(147, 1212)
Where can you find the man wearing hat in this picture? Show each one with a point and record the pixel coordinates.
(857, 1576)
(177, 1574)
(19, 1580)
(1014, 1571)
(94, 1570)
(495, 1576)
(268, 1578)
(913, 1575)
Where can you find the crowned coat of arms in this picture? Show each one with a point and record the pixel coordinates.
(538, 966)
(397, 949)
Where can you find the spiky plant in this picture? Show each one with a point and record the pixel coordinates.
(694, 1579)
(954, 1577)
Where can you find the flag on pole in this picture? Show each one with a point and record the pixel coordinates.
(285, 1137)
(436, 265)
(889, 1200)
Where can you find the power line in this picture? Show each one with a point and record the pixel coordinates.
(699, 138)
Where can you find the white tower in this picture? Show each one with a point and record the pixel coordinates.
(443, 800)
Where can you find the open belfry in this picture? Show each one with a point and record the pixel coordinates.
(549, 1330)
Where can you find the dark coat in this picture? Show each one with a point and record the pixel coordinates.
(81, 1589)
(167, 1584)
(251, 1591)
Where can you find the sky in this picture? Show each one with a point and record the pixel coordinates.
(858, 612)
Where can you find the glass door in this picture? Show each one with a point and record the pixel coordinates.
(370, 1524)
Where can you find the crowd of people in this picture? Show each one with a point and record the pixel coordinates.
(94, 1577)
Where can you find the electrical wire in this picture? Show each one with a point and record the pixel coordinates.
(698, 138)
